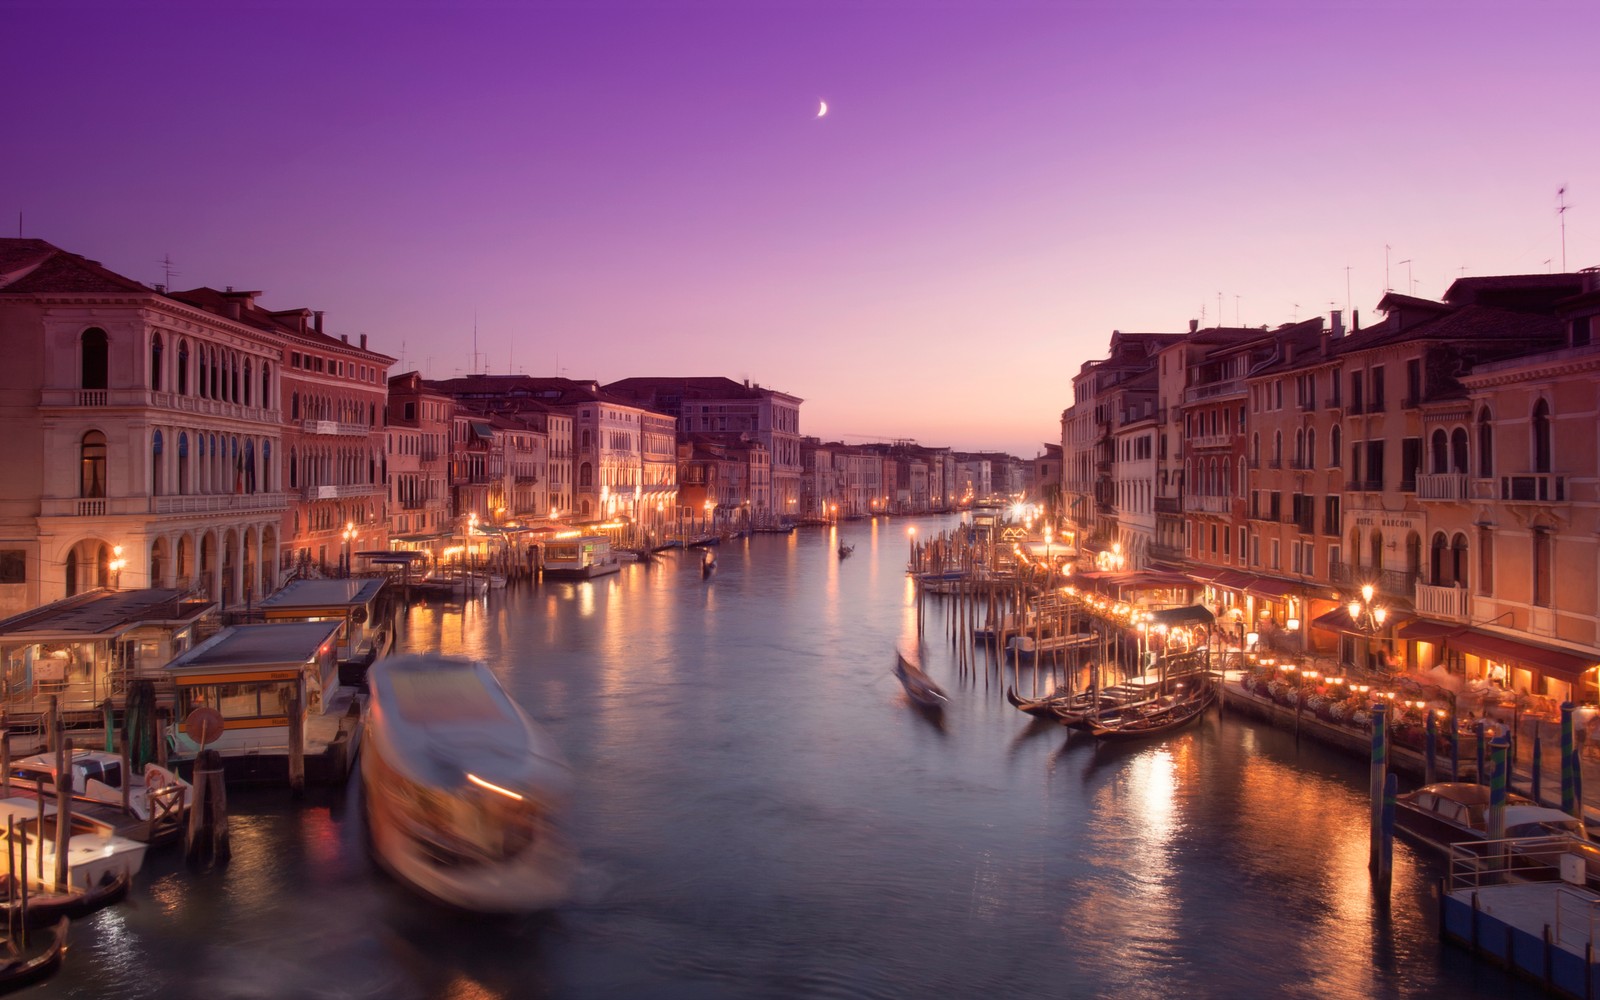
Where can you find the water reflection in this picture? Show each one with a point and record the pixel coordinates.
(761, 814)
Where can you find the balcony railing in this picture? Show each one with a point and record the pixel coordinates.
(91, 508)
(1208, 504)
(208, 503)
(1443, 602)
(1211, 441)
(1198, 392)
(1534, 487)
(342, 491)
(334, 427)
(1442, 486)
(1169, 505)
(1393, 583)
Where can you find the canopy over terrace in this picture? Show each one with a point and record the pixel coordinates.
(1129, 585)
(1514, 663)
(84, 649)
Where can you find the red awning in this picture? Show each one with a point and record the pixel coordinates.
(1233, 580)
(1338, 620)
(1427, 631)
(1264, 586)
(1205, 574)
(1152, 580)
(1566, 665)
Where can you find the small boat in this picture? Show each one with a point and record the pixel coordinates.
(1156, 719)
(1027, 646)
(1046, 707)
(463, 791)
(708, 564)
(1451, 812)
(19, 972)
(919, 686)
(156, 796)
(45, 906)
(845, 550)
(497, 581)
(94, 849)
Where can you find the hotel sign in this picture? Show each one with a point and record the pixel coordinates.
(1393, 525)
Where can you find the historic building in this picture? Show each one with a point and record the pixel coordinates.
(143, 437)
(420, 511)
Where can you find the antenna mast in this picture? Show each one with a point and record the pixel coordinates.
(167, 270)
(1561, 213)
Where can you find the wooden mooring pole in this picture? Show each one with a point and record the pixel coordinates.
(206, 840)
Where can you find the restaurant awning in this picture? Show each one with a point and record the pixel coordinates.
(1424, 630)
(1193, 615)
(1233, 580)
(1338, 620)
(1265, 586)
(1566, 665)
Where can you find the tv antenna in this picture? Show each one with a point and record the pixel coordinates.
(1347, 288)
(1411, 285)
(1561, 213)
(168, 269)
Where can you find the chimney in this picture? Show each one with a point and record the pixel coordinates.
(1591, 279)
(233, 307)
(363, 337)
(316, 320)
(1336, 320)
(344, 338)
(1194, 325)
(1355, 321)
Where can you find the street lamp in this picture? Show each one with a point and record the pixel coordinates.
(115, 566)
(348, 534)
(1365, 615)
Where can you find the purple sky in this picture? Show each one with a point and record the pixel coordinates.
(644, 189)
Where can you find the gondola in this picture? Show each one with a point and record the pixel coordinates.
(19, 972)
(1156, 720)
(45, 907)
(1048, 706)
(845, 550)
(919, 687)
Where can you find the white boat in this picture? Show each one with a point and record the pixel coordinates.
(463, 791)
(93, 849)
(580, 558)
(156, 796)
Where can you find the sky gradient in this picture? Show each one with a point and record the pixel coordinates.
(614, 190)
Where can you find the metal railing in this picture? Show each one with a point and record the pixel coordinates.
(1442, 486)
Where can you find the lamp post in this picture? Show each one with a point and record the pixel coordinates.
(115, 566)
(1367, 616)
(348, 534)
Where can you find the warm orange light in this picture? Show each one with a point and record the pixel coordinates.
(491, 786)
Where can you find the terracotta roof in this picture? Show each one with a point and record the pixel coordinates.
(36, 267)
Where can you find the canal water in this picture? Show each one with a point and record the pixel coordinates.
(761, 813)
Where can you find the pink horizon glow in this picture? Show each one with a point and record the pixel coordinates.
(645, 189)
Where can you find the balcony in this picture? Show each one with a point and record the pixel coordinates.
(1211, 441)
(144, 398)
(210, 503)
(1392, 583)
(1443, 602)
(1169, 505)
(1442, 486)
(1534, 487)
(413, 504)
(1208, 505)
(334, 427)
(341, 492)
(1216, 390)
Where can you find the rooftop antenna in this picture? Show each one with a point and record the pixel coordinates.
(1561, 213)
(168, 269)
(1463, 270)
(1410, 284)
(1347, 288)
(1296, 306)
(1236, 311)
(474, 368)
(1219, 308)
(1386, 286)
(1547, 265)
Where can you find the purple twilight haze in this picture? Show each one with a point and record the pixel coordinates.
(611, 190)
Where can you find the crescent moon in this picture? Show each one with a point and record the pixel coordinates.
(823, 109)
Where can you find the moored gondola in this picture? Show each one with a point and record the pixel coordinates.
(1155, 719)
(19, 972)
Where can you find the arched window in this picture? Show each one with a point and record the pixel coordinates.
(1458, 560)
(1438, 561)
(158, 467)
(249, 388)
(1439, 452)
(92, 465)
(1485, 445)
(1300, 448)
(1377, 552)
(1541, 437)
(1311, 447)
(183, 462)
(72, 572)
(95, 358)
(1255, 448)
(1458, 451)
(266, 386)
(155, 362)
(294, 406)
(294, 470)
(1335, 450)
(233, 373)
(1355, 548)
(183, 367)
(266, 466)
(586, 474)
(249, 466)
